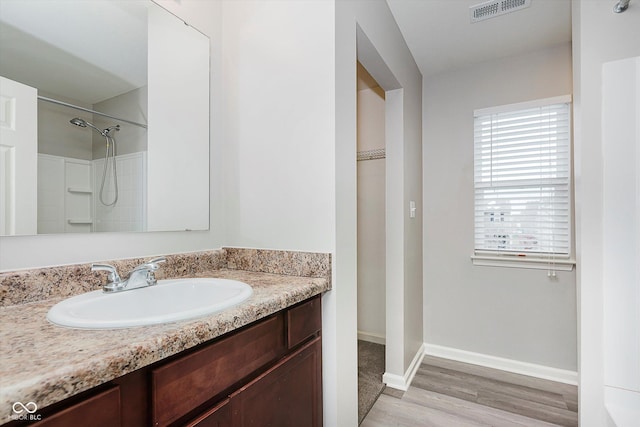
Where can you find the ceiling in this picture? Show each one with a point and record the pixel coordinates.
(84, 50)
(441, 37)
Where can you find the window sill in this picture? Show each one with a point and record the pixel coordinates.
(515, 261)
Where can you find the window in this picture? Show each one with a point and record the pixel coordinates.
(522, 171)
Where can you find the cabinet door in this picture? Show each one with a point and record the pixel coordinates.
(287, 395)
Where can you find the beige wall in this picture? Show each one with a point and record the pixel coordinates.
(517, 314)
(371, 218)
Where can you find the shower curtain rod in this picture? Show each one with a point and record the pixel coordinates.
(66, 104)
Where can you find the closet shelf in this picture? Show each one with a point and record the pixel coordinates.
(378, 153)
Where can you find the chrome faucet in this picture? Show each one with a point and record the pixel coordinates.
(141, 276)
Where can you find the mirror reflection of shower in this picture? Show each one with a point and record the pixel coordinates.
(109, 157)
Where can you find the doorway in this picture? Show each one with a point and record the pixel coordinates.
(371, 240)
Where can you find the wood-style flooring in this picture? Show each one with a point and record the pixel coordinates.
(446, 393)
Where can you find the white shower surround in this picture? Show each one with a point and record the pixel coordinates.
(69, 189)
(129, 213)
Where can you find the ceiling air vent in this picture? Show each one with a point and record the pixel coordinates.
(491, 9)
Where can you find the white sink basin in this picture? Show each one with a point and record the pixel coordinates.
(168, 301)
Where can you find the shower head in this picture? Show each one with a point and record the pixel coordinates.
(78, 122)
(83, 124)
(621, 6)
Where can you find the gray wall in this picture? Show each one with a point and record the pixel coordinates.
(58, 137)
(517, 314)
(131, 106)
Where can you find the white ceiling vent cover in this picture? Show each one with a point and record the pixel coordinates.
(493, 8)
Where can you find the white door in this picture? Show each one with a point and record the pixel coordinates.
(18, 158)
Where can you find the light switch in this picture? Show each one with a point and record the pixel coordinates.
(412, 209)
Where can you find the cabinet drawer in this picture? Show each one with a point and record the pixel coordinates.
(219, 416)
(303, 321)
(101, 410)
(186, 383)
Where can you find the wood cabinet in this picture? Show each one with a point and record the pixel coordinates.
(268, 373)
(218, 416)
(204, 374)
(100, 410)
(288, 394)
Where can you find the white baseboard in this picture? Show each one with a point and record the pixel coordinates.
(372, 337)
(509, 365)
(403, 382)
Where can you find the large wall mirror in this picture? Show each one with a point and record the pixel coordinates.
(104, 118)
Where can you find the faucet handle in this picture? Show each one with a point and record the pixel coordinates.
(152, 265)
(113, 273)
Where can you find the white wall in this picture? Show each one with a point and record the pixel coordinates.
(621, 238)
(177, 151)
(279, 131)
(599, 36)
(371, 218)
(37, 251)
(279, 136)
(510, 313)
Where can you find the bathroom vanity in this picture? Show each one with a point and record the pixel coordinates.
(267, 373)
(258, 363)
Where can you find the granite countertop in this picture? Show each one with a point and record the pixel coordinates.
(44, 363)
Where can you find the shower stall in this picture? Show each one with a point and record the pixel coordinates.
(91, 180)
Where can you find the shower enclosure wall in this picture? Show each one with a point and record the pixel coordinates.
(68, 191)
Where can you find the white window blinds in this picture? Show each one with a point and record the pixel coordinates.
(522, 168)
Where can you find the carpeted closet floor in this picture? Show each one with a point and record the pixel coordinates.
(370, 370)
